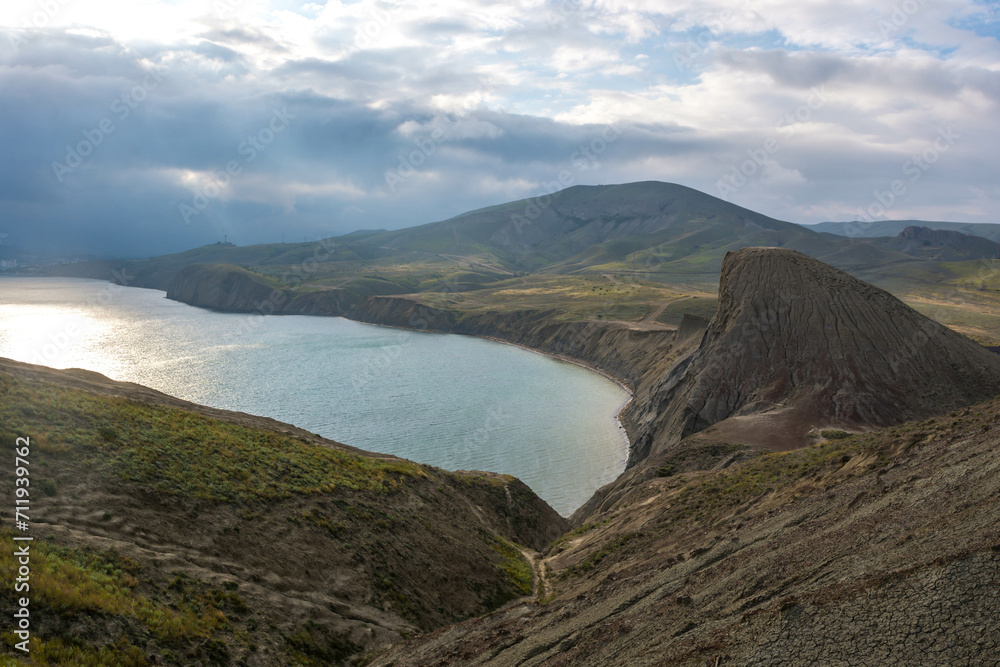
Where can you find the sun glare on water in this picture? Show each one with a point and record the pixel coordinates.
(56, 338)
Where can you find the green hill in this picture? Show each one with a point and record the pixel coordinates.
(894, 227)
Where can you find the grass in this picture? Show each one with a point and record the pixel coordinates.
(762, 475)
(515, 565)
(180, 453)
(313, 645)
(101, 588)
(596, 557)
(573, 298)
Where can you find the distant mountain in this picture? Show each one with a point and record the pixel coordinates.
(650, 229)
(940, 244)
(894, 227)
(648, 226)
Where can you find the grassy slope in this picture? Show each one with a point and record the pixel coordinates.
(167, 536)
(665, 239)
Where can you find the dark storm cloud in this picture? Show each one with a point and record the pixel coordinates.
(383, 115)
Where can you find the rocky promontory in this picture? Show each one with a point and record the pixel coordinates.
(797, 346)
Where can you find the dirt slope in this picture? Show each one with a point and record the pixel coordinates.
(873, 549)
(798, 345)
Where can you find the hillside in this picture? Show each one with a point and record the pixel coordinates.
(652, 226)
(660, 230)
(940, 244)
(872, 549)
(839, 547)
(888, 228)
(798, 346)
(655, 247)
(170, 533)
(776, 511)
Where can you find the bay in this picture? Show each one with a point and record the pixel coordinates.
(457, 402)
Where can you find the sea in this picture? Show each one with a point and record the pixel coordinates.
(456, 402)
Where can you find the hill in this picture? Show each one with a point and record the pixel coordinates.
(883, 228)
(219, 537)
(170, 533)
(657, 230)
(860, 548)
(869, 549)
(940, 244)
(798, 346)
(652, 225)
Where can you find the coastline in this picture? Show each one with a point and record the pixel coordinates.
(552, 355)
(589, 367)
(619, 447)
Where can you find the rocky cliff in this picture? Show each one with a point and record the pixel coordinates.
(798, 346)
(227, 288)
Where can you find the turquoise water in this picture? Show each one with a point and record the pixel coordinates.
(456, 402)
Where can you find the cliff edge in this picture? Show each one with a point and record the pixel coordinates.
(797, 346)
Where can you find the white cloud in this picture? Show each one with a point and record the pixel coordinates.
(512, 90)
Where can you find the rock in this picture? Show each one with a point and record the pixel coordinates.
(797, 344)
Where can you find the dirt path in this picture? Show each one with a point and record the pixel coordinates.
(541, 587)
(656, 312)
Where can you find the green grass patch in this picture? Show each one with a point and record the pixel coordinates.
(515, 565)
(102, 587)
(181, 453)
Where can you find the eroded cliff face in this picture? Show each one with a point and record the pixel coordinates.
(797, 345)
(224, 287)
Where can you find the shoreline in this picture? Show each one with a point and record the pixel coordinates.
(552, 355)
(589, 367)
(622, 451)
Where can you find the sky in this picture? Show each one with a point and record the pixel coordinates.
(152, 126)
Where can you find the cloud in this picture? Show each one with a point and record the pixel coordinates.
(403, 113)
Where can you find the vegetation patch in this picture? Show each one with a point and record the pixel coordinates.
(593, 559)
(181, 453)
(314, 645)
(100, 591)
(515, 565)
